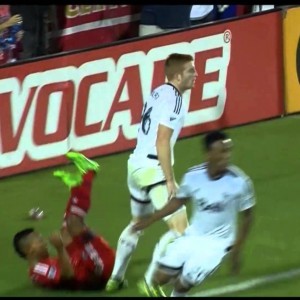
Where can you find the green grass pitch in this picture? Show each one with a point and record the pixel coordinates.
(268, 151)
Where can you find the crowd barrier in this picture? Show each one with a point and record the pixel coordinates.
(91, 101)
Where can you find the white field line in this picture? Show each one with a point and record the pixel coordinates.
(248, 284)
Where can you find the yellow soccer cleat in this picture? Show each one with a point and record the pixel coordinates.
(114, 285)
(82, 163)
(150, 291)
(69, 179)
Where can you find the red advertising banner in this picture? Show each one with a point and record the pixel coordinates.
(83, 26)
(92, 101)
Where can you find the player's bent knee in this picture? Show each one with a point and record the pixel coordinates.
(129, 237)
(184, 282)
(182, 286)
(195, 276)
(177, 221)
(161, 277)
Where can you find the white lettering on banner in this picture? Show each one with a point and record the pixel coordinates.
(53, 112)
(213, 88)
(23, 108)
(101, 98)
(124, 118)
(51, 82)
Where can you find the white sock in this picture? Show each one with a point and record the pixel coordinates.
(159, 248)
(126, 245)
(177, 294)
(151, 268)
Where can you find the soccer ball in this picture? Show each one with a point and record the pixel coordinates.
(36, 213)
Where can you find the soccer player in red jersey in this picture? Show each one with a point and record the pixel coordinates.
(84, 260)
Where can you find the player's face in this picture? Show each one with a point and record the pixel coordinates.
(37, 246)
(188, 76)
(220, 154)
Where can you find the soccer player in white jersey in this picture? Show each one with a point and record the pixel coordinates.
(219, 191)
(151, 180)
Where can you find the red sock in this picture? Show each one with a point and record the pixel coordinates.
(80, 199)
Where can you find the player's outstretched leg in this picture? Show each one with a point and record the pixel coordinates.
(127, 243)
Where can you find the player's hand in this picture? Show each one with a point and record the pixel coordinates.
(15, 19)
(56, 240)
(172, 187)
(140, 225)
(235, 261)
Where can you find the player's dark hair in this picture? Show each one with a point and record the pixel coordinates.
(174, 64)
(212, 137)
(19, 236)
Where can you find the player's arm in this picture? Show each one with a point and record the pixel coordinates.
(10, 22)
(246, 208)
(244, 227)
(168, 121)
(242, 234)
(163, 148)
(75, 225)
(46, 273)
(67, 271)
(173, 205)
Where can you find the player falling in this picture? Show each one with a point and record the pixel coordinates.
(84, 260)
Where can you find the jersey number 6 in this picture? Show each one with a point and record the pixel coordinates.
(146, 120)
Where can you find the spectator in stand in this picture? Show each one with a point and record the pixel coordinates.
(231, 11)
(34, 41)
(51, 23)
(259, 8)
(162, 18)
(202, 14)
(227, 11)
(9, 36)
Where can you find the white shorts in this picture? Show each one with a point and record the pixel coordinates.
(193, 258)
(139, 181)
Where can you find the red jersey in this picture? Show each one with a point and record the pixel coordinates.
(91, 257)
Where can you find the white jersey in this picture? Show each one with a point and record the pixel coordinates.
(164, 106)
(216, 203)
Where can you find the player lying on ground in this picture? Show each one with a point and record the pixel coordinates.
(84, 260)
(220, 192)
